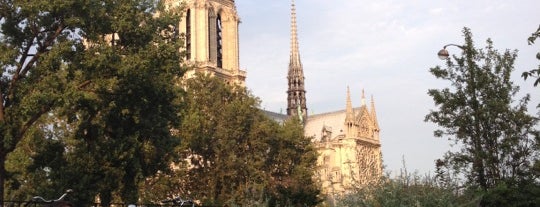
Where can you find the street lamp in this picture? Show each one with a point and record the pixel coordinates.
(443, 54)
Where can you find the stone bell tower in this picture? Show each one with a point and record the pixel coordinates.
(210, 28)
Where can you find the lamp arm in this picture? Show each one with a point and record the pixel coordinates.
(459, 46)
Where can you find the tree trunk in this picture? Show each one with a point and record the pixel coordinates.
(105, 198)
(2, 177)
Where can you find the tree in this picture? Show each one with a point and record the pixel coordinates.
(535, 73)
(496, 135)
(291, 164)
(407, 189)
(238, 156)
(97, 80)
(36, 38)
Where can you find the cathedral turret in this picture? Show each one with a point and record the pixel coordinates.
(349, 116)
(363, 101)
(375, 121)
(296, 94)
(210, 28)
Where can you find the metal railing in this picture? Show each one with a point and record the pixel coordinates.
(60, 202)
(40, 204)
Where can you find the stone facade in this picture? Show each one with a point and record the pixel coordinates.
(349, 147)
(210, 28)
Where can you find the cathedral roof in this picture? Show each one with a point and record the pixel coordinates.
(279, 117)
(331, 120)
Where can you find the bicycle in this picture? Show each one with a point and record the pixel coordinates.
(179, 202)
(51, 203)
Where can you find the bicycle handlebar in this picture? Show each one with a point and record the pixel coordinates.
(43, 200)
(68, 191)
(179, 201)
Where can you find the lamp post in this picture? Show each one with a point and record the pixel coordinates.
(443, 54)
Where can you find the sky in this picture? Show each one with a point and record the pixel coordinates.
(386, 48)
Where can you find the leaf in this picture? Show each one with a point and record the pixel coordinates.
(525, 75)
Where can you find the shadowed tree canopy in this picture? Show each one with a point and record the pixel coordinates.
(237, 155)
(92, 86)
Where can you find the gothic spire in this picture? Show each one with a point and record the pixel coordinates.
(295, 52)
(374, 113)
(349, 109)
(296, 100)
(363, 98)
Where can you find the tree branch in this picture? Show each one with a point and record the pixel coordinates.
(30, 123)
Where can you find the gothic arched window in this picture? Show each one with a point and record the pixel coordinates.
(188, 34)
(219, 41)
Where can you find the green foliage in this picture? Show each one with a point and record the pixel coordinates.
(238, 156)
(37, 38)
(101, 111)
(507, 193)
(407, 189)
(291, 162)
(496, 135)
(19, 177)
(535, 73)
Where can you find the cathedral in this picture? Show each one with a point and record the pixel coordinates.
(347, 140)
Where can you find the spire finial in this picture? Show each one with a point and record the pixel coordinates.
(348, 95)
(373, 112)
(363, 98)
(295, 52)
(349, 110)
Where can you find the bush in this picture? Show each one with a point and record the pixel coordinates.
(407, 189)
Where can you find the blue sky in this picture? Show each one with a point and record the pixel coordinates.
(385, 47)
